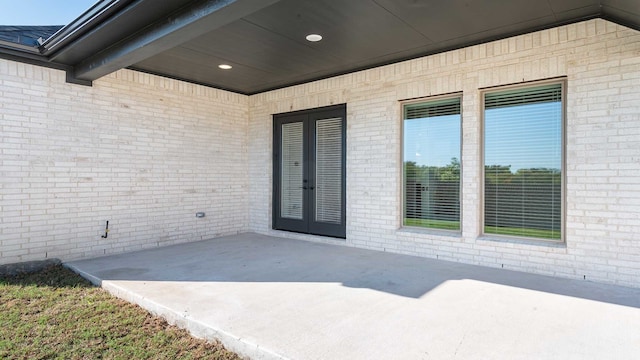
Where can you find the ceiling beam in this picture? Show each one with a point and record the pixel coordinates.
(185, 24)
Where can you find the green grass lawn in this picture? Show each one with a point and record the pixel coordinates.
(55, 314)
(532, 233)
(455, 225)
(433, 224)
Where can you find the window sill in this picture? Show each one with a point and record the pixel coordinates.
(427, 231)
(559, 244)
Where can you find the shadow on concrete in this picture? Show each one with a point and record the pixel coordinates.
(260, 258)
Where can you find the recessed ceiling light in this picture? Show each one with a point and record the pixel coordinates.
(314, 37)
(225, 66)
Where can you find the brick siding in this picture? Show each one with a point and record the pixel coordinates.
(144, 152)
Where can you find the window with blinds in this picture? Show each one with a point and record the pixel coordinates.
(431, 164)
(523, 154)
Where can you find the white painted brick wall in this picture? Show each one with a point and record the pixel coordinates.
(144, 152)
(601, 62)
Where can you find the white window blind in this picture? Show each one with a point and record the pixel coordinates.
(431, 164)
(291, 171)
(328, 189)
(523, 162)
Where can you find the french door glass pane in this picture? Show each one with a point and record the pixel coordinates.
(328, 190)
(292, 171)
(523, 162)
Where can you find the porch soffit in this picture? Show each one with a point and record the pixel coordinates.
(264, 40)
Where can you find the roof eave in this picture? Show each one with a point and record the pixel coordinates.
(98, 13)
(31, 55)
(19, 48)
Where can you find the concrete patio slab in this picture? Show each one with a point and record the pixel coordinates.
(273, 298)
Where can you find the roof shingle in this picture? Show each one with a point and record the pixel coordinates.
(27, 35)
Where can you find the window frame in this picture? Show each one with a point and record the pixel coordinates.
(563, 163)
(424, 100)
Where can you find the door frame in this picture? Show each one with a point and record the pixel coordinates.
(307, 225)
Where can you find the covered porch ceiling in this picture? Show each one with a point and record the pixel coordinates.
(264, 40)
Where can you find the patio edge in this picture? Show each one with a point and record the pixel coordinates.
(196, 328)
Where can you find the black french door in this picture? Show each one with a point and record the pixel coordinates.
(309, 171)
